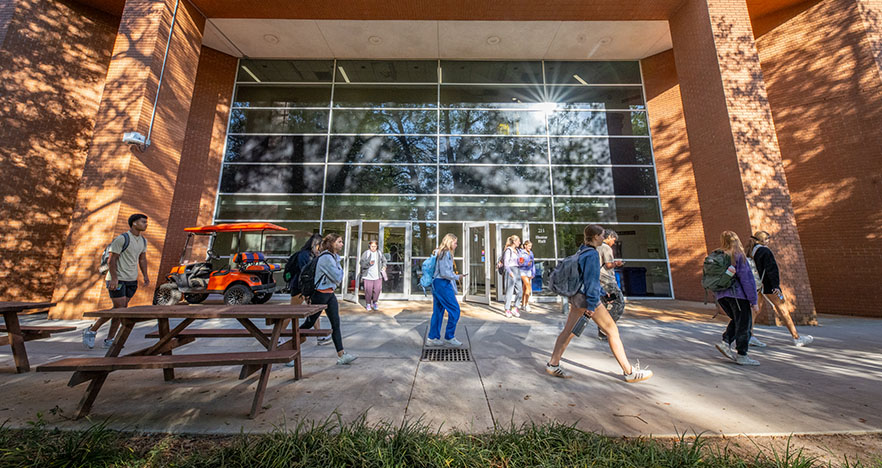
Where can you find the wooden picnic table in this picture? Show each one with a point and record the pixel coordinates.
(159, 356)
(17, 334)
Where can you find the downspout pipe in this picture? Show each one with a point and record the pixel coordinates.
(171, 30)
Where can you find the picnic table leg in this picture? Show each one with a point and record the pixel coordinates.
(85, 405)
(168, 374)
(16, 340)
(265, 370)
(295, 327)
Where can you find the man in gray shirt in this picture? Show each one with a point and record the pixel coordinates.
(128, 254)
(614, 299)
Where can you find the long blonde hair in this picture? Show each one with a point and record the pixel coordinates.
(446, 245)
(731, 244)
(510, 242)
(759, 238)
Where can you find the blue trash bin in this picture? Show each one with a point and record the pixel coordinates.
(635, 281)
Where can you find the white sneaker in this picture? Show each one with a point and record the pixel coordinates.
(515, 313)
(744, 360)
(507, 314)
(756, 343)
(367, 307)
(724, 349)
(527, 308)
(557, 371)
(346, 358)
(803, 340)
(375, 306)
(434, 342)
(108, 342)
(89, 338)
(452, 343)
(637, 374)
(324, 340)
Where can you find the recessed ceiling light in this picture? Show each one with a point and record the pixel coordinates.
(493, 40)
(375, 40)
(271, 38)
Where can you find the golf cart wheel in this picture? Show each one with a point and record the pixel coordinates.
(195, 298)
(238, 294)
(167, 295)
(261, 298)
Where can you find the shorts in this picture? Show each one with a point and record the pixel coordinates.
(526, 274)
(580, 301)
(124, 289)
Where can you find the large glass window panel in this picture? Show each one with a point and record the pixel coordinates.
(276, 148)
(383, 149)
(601, 150)
(272, 243)
(387, 71)
(542, 237)
(491, 72)
(607, 210)
(269, 207)
(278, 121)
(495, 208)
(645, 279)
(635, 240)
(492, 122)
(597, 97)
(603, 180)
(271, 178)
(352, 95)
(579, 73)
(423, 239)
(284, 71)
(385, 121)
(491, 96)
(506, 179)
(494, 150)
(392, 208)
(283, 96)
(352, 178)
(456, 230)
(597, 123)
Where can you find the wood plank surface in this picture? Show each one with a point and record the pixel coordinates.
(211, 311)
(169, 361)
(237, 333)
(16, 306)
(41, 329)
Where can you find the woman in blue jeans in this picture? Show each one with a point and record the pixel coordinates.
(444, 295)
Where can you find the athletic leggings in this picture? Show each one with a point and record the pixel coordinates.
(333, 313)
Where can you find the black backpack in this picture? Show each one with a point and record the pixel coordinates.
(566, 279)
(292, 271)
(307, 277)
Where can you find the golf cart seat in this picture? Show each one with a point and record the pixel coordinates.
(253, 261)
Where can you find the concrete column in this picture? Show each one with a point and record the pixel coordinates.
(119, 181)
(738, 170)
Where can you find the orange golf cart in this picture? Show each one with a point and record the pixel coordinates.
(247, 278)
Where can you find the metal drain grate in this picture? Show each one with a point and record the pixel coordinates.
(446, 355)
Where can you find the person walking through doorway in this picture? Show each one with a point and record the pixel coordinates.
(512, 276)
(613, 299)
(770, 288)
(127, 254)
(737, 302)
(527, 268)
(373, 270)
(587, 302)
(444, 295)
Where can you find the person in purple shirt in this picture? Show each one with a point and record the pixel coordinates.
(738, 302)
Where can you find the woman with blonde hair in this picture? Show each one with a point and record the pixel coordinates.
(737, 302)
(512, 276)
(770, 287)
(444, 295)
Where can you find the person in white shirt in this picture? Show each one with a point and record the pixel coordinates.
(373, 270)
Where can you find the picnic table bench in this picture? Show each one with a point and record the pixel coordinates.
(95, 370)
(18, 334)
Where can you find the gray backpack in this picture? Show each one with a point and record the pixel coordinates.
(566, 279)
(105, 256)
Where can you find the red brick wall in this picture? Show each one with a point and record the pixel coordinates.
(54, 61)
(7, 9)
(119, 181)
(202, 153)
(684, 230)
(825, 93)
(738, 169)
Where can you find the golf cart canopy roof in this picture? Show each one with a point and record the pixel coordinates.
(235, 227)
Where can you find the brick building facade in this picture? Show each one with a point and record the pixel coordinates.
(763, 116)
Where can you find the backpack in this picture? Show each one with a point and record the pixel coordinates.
(428, 268)
(104, 266)
(714, 276)
(566, 279)
(500, 263)
(307, 278)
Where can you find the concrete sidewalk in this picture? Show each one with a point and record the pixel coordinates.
(832, 386)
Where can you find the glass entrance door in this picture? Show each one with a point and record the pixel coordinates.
(477, 246)
(503, 231)
(351, 256)
(395, 239)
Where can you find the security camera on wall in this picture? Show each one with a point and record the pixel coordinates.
(135, 139)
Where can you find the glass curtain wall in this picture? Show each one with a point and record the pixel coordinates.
(555, 145)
